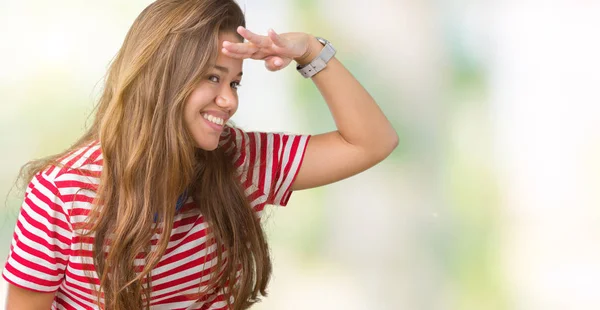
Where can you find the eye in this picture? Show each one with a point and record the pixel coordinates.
(235, 85)
(213, 78)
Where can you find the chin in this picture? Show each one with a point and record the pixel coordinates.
(207, 147)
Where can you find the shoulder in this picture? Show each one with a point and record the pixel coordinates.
(241, 145)
(233, 142)
(80, 167)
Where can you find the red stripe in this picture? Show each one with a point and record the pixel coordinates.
(64, 303)
(43, 213)
(264, 156)
(30, 277)
(78, 184)
(251, 161)
(288, 193)
(188, 278)
(241, 148)
(81, 278)
(77, 198)
(220, 298)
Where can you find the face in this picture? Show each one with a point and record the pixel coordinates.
(214, 100)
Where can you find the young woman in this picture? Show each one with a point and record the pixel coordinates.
(158, 204)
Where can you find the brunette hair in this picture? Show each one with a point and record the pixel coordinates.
(149, 159)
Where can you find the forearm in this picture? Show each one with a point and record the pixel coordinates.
(358, 118)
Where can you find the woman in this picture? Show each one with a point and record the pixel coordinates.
(158, 204)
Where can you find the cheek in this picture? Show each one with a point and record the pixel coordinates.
(188, 111)
(199, 98)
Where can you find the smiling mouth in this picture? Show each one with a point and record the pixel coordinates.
(214, 119)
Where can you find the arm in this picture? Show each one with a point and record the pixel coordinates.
(24, 299)
(40, 247)
(364, 136)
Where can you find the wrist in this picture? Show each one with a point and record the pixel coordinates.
(312, 51)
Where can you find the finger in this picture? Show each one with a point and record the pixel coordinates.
(240, 48)
(276, 38)
(234, 55)
(274, 63)
(258, 40)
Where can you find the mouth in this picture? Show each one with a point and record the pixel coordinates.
(214, 122)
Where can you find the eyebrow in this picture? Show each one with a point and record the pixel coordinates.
(225, 70)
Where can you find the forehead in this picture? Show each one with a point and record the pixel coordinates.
(228, 36)
(223, 60)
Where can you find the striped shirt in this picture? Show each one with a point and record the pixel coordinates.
(47, 253)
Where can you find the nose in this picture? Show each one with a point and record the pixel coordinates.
(227, 99)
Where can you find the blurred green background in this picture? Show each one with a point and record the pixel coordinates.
(489, 202)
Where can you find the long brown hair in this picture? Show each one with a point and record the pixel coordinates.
(149, 159)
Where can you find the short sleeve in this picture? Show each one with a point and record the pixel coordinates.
(41, 242)
(270, 161)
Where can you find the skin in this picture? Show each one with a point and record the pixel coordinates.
(363, 137)
(217, 96)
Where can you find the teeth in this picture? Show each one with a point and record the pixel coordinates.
(214, 119)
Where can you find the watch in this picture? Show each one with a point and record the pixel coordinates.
(320, 62)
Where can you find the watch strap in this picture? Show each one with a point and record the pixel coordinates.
(320, 62)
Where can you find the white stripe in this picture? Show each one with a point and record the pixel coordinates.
(283, 159)
(64, 191)
(238, 143)
(269, 162)
(218, 305)
(257, 159)
(41, 234)
(85, 246)
(85, 156)
(91, 167)
(79, 178)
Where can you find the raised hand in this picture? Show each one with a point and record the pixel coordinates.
(277, 50)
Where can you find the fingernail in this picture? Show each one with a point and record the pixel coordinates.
(278, 62)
